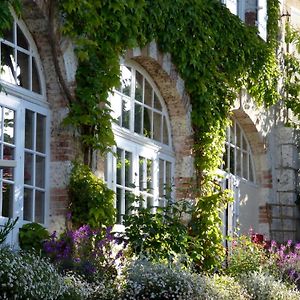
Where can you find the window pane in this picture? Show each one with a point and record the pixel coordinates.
(23, 70)
(21, 39)
(9, 126)
(232, 161)
(8, 152)
(251, 175)
(8, 34)
(157, 124)
(238, 162)
(138, 111)
(126, 80)
(147, 122)
(29, 125)
(148, 94)
(40, 171)
(119, 166)
(165, 132)
(116, 106)
(119, 195)
(245, 165)
(168, 182)
(7, 200)
(232, 139)
(128, 202)
(157, 104)
(125, 113)
(36, 85)
(238, 136)
(150, 202)
(8, 174)
(139, 87)
(8, 64)
(39, 207)
(142, 184)
(128, 169)
(27, 210)
(244, 144)
(40, 133)
(28, 168)
(149, 176)
(161, 178)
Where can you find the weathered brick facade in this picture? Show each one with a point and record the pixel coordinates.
(273, 146)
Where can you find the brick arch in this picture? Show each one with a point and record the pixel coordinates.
(63, 147)
(171, 86)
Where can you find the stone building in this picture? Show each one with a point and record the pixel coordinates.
(153, 132)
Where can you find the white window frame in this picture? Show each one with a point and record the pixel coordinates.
(140, 145)
(21, 99)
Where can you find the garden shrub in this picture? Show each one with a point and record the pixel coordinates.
(146, 280)
(160, 236)
(32, 236)
(91, 201)
(92, 253)
(28, 276)
(244, 255)
(6, 229)
(224, 287)
(264, 286)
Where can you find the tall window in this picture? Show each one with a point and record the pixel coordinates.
(238, 156)
(24, 130)
(144, 162)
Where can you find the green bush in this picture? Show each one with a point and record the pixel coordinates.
(263, 286)
(28, 276)
(32, 236)
(91, 201)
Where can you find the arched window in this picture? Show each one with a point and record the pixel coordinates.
(144, 160)
(24, 129)
(238, 156)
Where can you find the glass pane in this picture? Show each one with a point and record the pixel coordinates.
(142, 184)
(245, 144)
(119, 196)
(149, 176)
(29, 125)
(119, 166)
(147, 122)
(161, 178)
(36, 85)
(165, 132)
(8, 34)
(232, 137)
(148, 94)
(238, 162)
(128, 202)
(139, 86)
(39, 210)
(138, 110)
(157, 124)
(126, 80)
(251, 175)
(157, 103)
(128, 169)
(232, 161)
(21, 39)
(8, 64)
(28, 168)
(40, 171)
(8, 152)
(116, 106)
(9, 126)
(41, 133)
(27, 210)
(8, 174)
(7, 200)
(23, 70)
(245, 165)
(168, 182)
(238, 136)
(125, 113)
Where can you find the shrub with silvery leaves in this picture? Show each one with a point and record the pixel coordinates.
(263, 286)
(28, 276)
